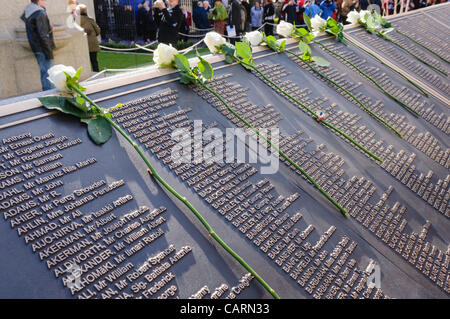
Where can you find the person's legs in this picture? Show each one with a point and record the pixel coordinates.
(94, 62)
(44, 65)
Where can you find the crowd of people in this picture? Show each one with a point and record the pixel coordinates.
(235, 17)
(167, 22)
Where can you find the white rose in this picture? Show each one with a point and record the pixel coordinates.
(285, 29)
(317, 23)
(254, 37)
(164, 55)
(362, 15)
(58, 78)
(213, 40)
(353, 17)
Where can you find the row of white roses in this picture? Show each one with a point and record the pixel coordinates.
(354, 17)
(164, 54)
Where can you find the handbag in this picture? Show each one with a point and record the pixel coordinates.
(231, 31)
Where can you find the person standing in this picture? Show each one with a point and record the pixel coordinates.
(292, 11)
(93, 31)
(40, 37)
(311, 9)
(171, 21)
(186, 26)
(236, 19)
(150, 26)
(347, 6)
(200, 17)
(246, 6)
(256, 13)
(219, 15)
(328, 7)
(268, 17)
(207, 9)
(140, 19)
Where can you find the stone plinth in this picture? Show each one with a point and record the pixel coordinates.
(19, 72)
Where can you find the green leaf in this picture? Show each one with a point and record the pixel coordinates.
(227, 50)
(301, 31)
(77, 75)
(243, 50)
(270, 38)
(205, 68)
(75, 83)
(63, 104)
(99, 129)
(187, 78)
(308, 38)
(182, 63)
(117, 106)
(196, 71)
(331, 23)
(68, 77)
(370, 22)
(282, 45)
(307, 20)
(306, 56)
(81, 104)
(320, 61)
(229, 59)
(249, 63)
(303, 47)
(333, 27)
(303, 34)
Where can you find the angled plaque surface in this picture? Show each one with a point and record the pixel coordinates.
(88, 221)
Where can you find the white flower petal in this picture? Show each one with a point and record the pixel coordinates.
(164, 55)
(318, 24)
(58, 78)
(362, 15)
(285, 29)
(213, 40)
(254, 37)
(353, 17)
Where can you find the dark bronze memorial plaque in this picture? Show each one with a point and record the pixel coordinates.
(70, 207)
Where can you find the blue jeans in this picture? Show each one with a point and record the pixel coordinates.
(44, 65)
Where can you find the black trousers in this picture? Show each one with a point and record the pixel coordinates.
(268, 28)
(94, 62)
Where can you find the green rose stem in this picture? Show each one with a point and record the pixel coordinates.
(423, 46)
(309, 64)
(422, 90)
(251, 66)
(153, 173)
(414, 55)
(369, 77)
(290, 161)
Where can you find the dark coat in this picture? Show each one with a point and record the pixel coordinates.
(39, 32)
(171, 21)
(269, 13)
(247, 7)
(291, 14)
(236, 17)
(201, 18)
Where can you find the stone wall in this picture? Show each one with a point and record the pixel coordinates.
(19, 72)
